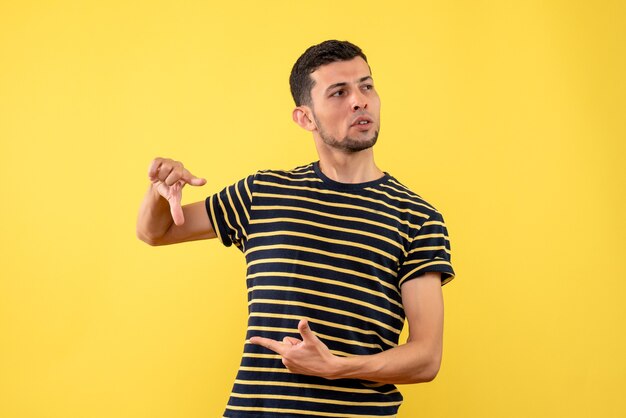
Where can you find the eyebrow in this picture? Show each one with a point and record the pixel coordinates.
(343, 83)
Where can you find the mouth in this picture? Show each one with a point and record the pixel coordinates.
(362, 122)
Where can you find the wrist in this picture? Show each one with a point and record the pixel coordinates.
(343, 367)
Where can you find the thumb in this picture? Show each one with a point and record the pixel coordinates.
(305, 331)
(174, 200)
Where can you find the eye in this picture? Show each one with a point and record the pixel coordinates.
(338, 93)
(368, 86)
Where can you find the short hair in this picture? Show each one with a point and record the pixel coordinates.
(300, 80)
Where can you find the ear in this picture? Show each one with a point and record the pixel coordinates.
(303, 116)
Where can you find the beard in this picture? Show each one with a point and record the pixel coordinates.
(347, 144)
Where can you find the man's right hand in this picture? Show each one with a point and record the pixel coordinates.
(169, 177)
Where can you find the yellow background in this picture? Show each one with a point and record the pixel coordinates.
(507, 116)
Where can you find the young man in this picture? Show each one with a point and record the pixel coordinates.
(339, 253)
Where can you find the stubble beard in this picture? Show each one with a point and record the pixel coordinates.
(347, 144)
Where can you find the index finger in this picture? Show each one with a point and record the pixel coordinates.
(191, 179)
(275, 346)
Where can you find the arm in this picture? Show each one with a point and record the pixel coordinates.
(417, 360)
(162, 220)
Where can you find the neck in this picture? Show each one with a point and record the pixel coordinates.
(358, 167)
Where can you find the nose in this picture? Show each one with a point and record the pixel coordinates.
(359, 101)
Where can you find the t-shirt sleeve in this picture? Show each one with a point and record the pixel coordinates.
(229, 212)
(429, 251)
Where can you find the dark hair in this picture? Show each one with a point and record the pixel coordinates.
(300, 80)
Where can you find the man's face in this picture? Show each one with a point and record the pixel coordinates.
(345, 105)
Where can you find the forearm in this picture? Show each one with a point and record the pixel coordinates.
(408, 363)
(154, 218)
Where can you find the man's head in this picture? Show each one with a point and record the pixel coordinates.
(335, 97)
(300, 80)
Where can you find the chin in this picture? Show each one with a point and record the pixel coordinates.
(352, 145)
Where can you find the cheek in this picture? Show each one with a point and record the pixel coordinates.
(330, 120)
(376, 102)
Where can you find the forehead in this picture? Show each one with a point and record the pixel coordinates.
(340, 72)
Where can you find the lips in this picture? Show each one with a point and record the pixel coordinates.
(362, 121)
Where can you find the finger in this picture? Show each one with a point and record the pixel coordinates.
(175, 204)
(305, 331)
(163, 171)
(275, 346)
(197, 181)
(291, 341)
(193, 180)
(154, 168)
(174, 175)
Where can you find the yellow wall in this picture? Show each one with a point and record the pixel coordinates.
(508, 116)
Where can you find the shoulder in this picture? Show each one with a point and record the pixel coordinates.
(299, 175)
(400, 196)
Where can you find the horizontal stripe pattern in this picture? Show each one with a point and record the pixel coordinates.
(336, 254)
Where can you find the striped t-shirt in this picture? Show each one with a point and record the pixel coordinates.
(333, 253)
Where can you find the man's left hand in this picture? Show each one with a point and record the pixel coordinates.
(308, 356)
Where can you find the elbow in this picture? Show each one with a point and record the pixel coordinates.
(147, 238)
(430, 372)
(427, 372)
